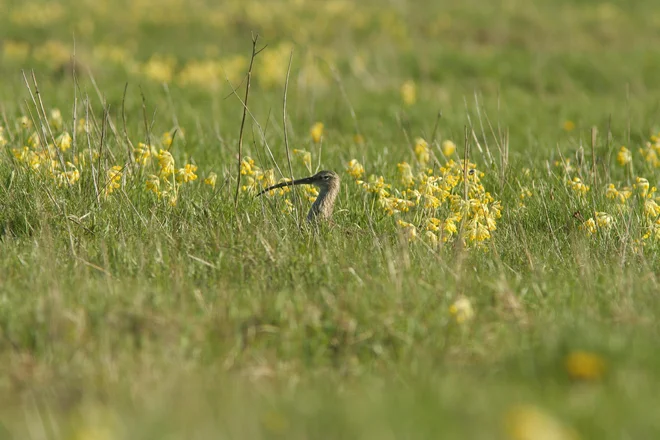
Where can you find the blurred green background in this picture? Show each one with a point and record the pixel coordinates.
(144, 341)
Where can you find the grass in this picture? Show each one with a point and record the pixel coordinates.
(127, 317)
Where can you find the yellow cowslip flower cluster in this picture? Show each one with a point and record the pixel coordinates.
(354, 169)
(409, 93)
(143, 154)
(409, 230)
(641, 186)
(258, 179)
(525, 193)
(584, 365)
(577, 186)
(50, 161)
(619, 195)
(305, 157)
(436, 200)
(526, 422)
(651, 151)
(639, 198)
(211, 179)
(186, 174)
(317, 132)
(624, 156)
(422, 151)
(601, 221)
(3, 140)
(114, 178)
(565, 165)
(448, 148)
(406, 174)
(461, 310)
(165, 163)
(53, 159)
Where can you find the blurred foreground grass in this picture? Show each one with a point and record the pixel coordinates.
(130, 309)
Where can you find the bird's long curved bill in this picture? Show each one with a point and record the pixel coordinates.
(305, 181)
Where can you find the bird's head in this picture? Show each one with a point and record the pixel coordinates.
(324, 180)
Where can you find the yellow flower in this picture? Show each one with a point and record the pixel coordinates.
(3, 140)
(247, 166)
(20, 154)
(166, 163)
(611, 192)
(317, 132)
(34, 141)
(461, 310)
(376, 185)
(450, 226)
(63, 141)
(477, 231)
(153, 184)
(589, 226)
(211, 179)
(530, 423)
(142, 154)
(651, 208)
(187, 173)
(650, 154)
(56, 119)
(584, 365)
(25, 122)
(577, 186)
(82, 126)
(565, 164)
(358, 139)
(355, 169)
(68, 177)
(624, 157)
(305, 157)
(114, 177)
(525, 193)
(448, 148)
(288, 206)
(160, 68)
(409, 230)
(16, 51)
(405, 171)
(167, 139)
(312, 193)
(422, 151)
(604, 220)
(433, 239)
(409, 92)
(569, 125)
(643, 185)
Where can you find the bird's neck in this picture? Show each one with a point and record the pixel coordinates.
(324, 203)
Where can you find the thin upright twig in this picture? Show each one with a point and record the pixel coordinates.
(129, 145)
(286, 136)
(255, 52)
(465, 164)
(144, 115)
(593, 155)
(435, 126)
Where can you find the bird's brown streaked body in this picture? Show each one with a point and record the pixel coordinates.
(327, 182)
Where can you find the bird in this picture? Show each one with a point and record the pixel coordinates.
(327, 182)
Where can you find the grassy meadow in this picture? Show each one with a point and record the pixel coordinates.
(491, 270)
